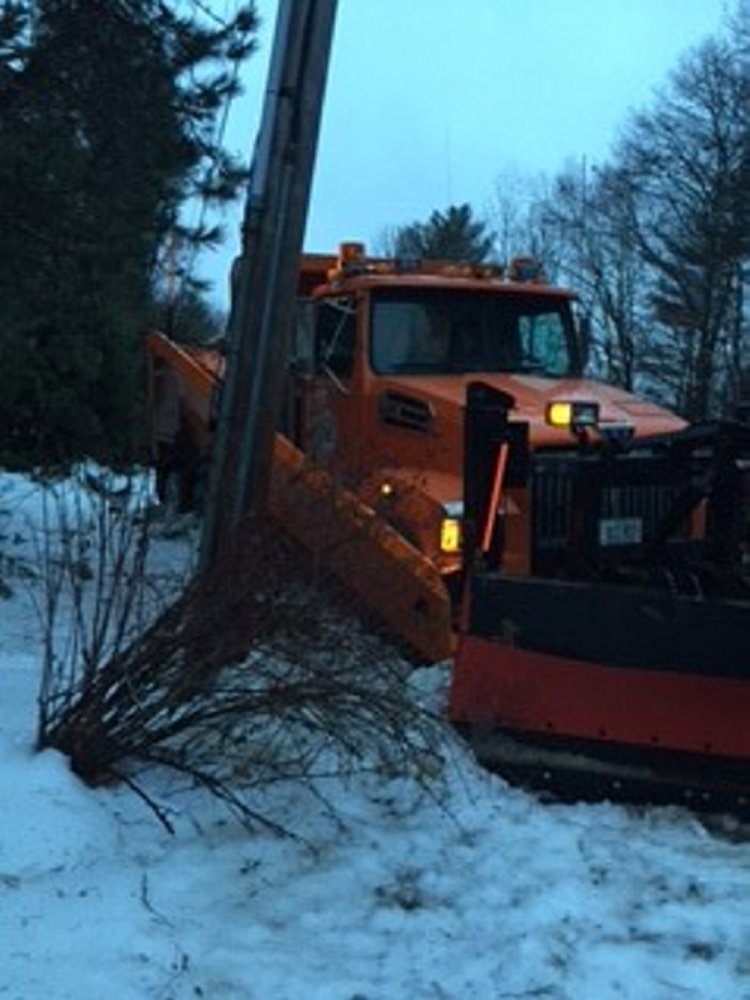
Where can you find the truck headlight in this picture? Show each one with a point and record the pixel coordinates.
(450, 535)
(451, 530)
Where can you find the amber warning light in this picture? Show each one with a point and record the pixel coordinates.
(575, 414)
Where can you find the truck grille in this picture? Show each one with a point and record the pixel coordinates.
(567, 494)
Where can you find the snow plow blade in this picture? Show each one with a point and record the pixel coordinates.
(645, 696)
(369, 556)
(610, 670)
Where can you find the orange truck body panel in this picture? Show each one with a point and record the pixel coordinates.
(364, 551)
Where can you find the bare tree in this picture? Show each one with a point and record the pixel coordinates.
(679, 192)
(656, 240)
(594, 259)
(518, 217)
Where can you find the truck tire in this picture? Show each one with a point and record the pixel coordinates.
(182, 476)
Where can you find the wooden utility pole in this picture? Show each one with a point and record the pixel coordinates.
(264, 279)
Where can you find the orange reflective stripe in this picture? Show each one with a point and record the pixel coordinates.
(501, 461)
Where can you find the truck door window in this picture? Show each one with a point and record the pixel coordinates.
(335, 337)
(543, 344)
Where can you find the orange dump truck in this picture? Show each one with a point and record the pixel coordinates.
(376, 386)
(441, 448)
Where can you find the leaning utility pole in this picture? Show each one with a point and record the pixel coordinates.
(264, 279)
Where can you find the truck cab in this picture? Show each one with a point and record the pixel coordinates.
(384, 354)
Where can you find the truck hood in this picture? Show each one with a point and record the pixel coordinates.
(532, 394)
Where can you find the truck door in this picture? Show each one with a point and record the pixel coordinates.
(329, 392)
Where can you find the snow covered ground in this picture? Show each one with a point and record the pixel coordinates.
(385, 893)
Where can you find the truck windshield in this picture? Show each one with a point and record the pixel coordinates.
(428, 331)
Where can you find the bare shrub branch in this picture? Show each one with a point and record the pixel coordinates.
(256, 674)
(97, 592)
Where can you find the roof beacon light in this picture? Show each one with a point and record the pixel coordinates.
(525, 269)
(350, 253)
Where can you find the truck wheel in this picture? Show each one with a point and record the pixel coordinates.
(165, 469)
(199, 485)
(171, 492)
(185, 488)
(181, 475)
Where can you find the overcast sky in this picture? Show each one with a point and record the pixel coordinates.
(429, 101)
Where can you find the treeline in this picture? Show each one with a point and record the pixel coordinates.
(656, 240)
(110, 115)
(110, 123)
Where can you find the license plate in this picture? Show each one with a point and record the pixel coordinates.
(620, 531)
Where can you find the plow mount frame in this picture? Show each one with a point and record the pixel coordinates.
(615, 670)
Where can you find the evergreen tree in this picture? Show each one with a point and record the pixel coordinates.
(108, 112)
(451, 235)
